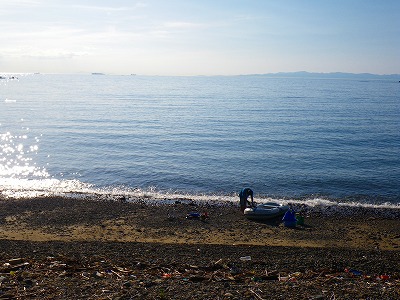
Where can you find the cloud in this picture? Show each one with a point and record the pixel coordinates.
(22, 3)
(52, 54)
(12, 7)
(109, 8)
(101, 8)
(182, 25)
(40, 53)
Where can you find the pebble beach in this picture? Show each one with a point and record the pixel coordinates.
(63, 248)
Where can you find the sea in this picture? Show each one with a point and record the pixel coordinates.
(306, 139)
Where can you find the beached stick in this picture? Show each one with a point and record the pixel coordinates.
(118, 275)
(257, 295)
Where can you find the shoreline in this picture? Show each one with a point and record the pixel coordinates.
(68, 248)
(65, 219)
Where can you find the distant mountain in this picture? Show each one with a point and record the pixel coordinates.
(333, 75)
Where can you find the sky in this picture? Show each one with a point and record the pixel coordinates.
(199, 37)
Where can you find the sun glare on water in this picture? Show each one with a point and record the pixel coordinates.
(16, 157)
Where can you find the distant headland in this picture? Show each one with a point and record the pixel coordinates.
(332, 75)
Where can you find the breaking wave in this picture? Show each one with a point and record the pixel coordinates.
(24, 188)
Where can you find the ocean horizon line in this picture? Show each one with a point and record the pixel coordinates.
(294, 74)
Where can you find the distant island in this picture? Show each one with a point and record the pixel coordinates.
(303, 74)
(95, 73)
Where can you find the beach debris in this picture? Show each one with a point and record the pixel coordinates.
(14, 264)
(245, 258)
(15, 261)
(383, 277)
(353, 272)
(193, 215)
(144, 275)
(256, 295)
(196, 215)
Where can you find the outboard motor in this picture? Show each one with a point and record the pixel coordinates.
(244, 195)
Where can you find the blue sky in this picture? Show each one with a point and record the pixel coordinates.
(200, 37)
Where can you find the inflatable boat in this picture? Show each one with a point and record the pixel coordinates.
(265, 211)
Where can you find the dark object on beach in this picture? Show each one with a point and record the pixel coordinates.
(353, 272)
(300, 220)
(196, 215)
(289, 219)
(193, 215)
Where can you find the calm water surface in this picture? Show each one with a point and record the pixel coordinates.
(283, 137)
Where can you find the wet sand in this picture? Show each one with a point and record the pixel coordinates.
(96, 249)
